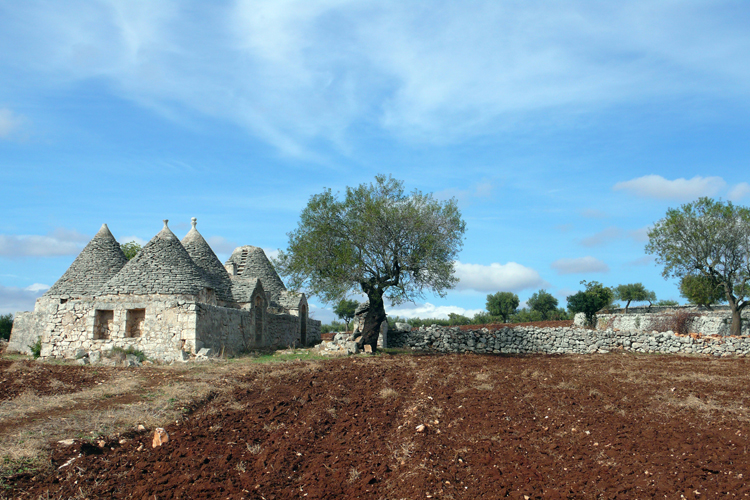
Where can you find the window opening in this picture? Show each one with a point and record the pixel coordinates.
(134, 322)
(103, 324)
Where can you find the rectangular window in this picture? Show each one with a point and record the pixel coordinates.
(103, 324)
(134, 322)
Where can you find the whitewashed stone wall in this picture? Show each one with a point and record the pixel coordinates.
(710, 322)
(528, 340)
(169, 326)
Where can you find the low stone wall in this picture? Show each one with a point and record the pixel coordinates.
(530, 340)
(709, 322)
(27, 328)
(224, 330)
(284, 330)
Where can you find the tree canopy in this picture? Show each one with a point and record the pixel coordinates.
(6, 325)
(502, 304)
(378, 240)
(345, 310)
(130, 249)
(707, 238)
(590, 301)
(542, 302)
(702, 290)
(634, 292)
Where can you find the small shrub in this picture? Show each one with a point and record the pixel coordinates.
(120, 353)
(6, 325)
(677, 322)
(36, 348)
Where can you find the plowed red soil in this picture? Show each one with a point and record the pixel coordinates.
(598, 426)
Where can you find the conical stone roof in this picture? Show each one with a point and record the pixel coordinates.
(163, 266)
(99, 261)
(252, 261)
(202, 254)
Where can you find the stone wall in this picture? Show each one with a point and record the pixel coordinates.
(716, 321)
(226, 331)
(528, 340)
(167, 326)
(284, 330)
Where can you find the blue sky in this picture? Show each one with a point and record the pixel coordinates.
(564, 129)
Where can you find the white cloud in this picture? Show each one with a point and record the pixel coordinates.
(480, 190)
(639, 235)
(586, 264)
(59, 242)
(9, 123)
(221, 245)
(13, 300)
(656, 186)
(292, 72)
(608, 235)
(428, 310)
(739, 191)
(510, 277)
(642, 261)
(271, 253)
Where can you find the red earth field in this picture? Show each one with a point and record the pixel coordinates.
(415, 426)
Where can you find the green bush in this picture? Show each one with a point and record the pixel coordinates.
(36, 348)
(121, 353)
(333, 326)
(6, 325)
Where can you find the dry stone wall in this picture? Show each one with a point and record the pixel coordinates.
(531, 340)
(284, 330)
(167, 326)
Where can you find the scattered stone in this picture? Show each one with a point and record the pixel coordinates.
(67, 442)
(160, 437)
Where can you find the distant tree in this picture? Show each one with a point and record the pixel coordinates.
(666, 303)
(634, 292)
(543, 302)
(708, 238)
(6, 325)
(590, 301)
(702, 290)
(378, 240)
(525, 315)
(457, 319)
(130, 249)
(502, 304)
(345, 310)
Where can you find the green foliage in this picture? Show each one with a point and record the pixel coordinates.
(502, 304)
(707, 238)
(634, 292)
(667, 303)
(333, 326)
(345, 310)
(130, 249)
(376, 239)
(36, 348)
(702, 290)
(458, 319)
(6, 325)
(590, 301)
(123, 352)
(542, 302)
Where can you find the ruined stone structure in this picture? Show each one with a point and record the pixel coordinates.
(171, 300)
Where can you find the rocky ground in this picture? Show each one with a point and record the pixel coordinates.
(384, 427)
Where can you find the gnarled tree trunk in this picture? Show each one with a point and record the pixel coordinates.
(374, 317)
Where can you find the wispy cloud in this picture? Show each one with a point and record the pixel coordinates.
(293, 72)
(128, 239)
(739, 191)
(13, 300)
(604, 237)
(639, 235)
(580, 265)
(511, 277)
(221, 245)
(480, 190)
(656, 186)
(593, 213)
(59, 242)
(428, 310)
(10, 123)
(642, 261)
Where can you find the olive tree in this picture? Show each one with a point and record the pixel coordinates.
(130, 249)
(376, 239)
(701, 290)
(345, 310)
(502, 304)
(542, 302)
(634, 292)
(590, 301)
(707, 238)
